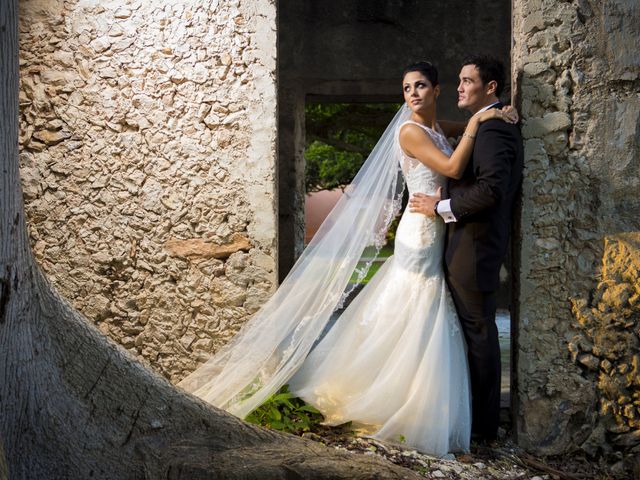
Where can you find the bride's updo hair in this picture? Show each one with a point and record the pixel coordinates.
(425, 68)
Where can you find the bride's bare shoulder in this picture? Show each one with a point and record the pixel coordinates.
(411, 133)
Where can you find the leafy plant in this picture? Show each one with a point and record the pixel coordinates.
(339, 137)
(285, 412)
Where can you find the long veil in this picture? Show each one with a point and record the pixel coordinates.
(272, 345)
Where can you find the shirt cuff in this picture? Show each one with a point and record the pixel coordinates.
(444, 210)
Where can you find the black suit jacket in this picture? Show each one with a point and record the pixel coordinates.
(482, 203)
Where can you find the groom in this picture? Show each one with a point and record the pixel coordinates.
(477, 210)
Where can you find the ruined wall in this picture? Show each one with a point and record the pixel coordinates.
(148, 165)
(577, 78)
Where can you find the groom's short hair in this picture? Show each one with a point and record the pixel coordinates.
(489, 68)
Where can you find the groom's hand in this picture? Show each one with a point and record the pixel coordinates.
(423, 203)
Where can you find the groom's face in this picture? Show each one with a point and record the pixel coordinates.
(472, 94)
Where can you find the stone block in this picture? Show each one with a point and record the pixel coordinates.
(535, 68)
(197, 248)
(551, 122)
(621, 22)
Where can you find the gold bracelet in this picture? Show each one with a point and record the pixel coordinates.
(465, 134)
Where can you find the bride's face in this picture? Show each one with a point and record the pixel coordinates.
(418, 92)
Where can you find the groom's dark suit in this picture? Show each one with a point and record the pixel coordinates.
(476, 245)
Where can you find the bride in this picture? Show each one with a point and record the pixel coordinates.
(394, 362)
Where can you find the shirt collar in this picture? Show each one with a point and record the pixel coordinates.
(484, 109)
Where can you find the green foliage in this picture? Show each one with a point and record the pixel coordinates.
(327, 168)
(391, 234)
(282, 411)
(339, 137)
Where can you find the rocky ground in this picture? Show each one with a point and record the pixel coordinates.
(500, 461)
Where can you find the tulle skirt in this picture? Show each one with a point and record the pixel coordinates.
(394, 363)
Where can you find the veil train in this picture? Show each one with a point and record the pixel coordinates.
(272, 345)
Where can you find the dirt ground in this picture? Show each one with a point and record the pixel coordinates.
(501, 460)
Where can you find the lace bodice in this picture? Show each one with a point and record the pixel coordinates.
(418, 176)
(420, 238)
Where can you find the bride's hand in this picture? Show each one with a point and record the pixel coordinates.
(507, 114)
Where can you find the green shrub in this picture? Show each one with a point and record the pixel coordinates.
(282, 411)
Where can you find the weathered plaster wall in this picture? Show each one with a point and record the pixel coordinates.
(578, 89)
(358, 48)
(148, 162)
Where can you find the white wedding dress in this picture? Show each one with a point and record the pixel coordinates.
(394, 363)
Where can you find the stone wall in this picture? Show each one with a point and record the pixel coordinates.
(148, 163)
(607, 346)
(578, 87)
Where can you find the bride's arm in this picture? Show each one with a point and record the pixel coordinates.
(455, 129)
(417, 143)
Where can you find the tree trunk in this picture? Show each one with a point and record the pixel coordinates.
(73, 405)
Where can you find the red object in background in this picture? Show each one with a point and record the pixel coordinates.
(317, 206)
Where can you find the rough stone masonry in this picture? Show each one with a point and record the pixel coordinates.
(148, 163)
(576, 71)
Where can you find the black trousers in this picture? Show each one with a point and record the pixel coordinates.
(477, 314)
